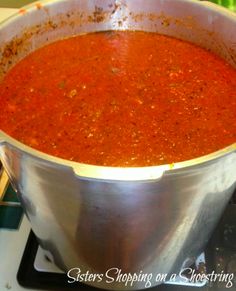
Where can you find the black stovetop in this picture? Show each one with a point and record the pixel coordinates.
(220, 256)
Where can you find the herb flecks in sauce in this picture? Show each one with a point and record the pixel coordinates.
(121, 99)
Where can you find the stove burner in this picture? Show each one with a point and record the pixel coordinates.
(37, 271)
(43, 263)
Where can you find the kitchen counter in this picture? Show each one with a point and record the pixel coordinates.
(12, 242)
(6, 12)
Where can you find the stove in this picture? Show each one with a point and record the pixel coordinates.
(25, 266)
(36, 269)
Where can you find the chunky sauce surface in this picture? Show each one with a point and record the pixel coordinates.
(121, 99)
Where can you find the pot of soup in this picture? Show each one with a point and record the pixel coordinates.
(120, 140)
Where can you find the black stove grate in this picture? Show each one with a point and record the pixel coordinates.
(220, 256)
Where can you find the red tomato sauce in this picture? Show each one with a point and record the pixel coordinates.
(121, 99)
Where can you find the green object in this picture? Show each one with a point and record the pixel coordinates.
(11, 212)
(10, 195)
(230, 4)
(10, 216)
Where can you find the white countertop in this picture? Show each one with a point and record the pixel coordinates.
(12, 245)
(6, 12)
(12, 242)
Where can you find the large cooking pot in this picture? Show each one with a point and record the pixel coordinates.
(149, 219)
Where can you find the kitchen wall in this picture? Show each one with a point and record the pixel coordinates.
(14, 3)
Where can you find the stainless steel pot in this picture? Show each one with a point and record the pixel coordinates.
(150, 219)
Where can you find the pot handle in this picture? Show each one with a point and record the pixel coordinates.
(120, 174)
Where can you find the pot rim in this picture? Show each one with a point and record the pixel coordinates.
(117, 173)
